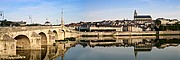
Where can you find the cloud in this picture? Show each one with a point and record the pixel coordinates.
(164, 14)
(41, 10)
(74, 11)
(110, 14)
(38, 12)
(177, 6)
(149, 1)
(20, 0)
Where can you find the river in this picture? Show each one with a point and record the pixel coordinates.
(104, 48)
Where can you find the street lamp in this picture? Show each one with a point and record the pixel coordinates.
(2, 14)
(30, 17)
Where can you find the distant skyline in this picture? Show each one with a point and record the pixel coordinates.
(86, 10)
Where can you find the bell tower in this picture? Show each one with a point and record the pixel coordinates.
(135, 13)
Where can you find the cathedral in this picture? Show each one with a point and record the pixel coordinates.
(141, 19)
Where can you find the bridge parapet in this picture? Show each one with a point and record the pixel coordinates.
(16, 29)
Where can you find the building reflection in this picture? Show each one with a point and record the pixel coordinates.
(139, 44)
(144, 46)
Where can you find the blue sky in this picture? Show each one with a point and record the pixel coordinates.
(86, 10)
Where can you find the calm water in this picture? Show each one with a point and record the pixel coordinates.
(120, 53)
(125, 49)
(105, 48)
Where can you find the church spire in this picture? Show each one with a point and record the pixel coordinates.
(135, 13)
(62, 20)
(135, 53)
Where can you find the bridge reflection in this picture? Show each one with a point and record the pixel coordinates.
(47, 52)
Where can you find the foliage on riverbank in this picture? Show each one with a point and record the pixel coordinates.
(170, 27)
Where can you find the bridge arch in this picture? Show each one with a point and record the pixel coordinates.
(44, 52)
(43, 38)
(56, 34)
(22, 42)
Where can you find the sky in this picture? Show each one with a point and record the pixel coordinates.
(86, 10)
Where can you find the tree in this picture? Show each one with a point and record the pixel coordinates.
(157, 25)
(158, 22)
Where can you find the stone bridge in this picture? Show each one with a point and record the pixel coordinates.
(31, 37)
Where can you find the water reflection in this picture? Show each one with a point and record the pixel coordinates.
(47, 52)
(131, 42)
(100, 48)
(137, 44)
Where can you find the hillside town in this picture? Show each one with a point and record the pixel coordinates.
(140, 23)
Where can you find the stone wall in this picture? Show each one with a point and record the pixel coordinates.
(7, 48)
(169, 32)
(129, 33)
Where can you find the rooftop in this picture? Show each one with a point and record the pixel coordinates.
(142, 16)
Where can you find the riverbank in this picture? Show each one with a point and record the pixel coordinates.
(140, 33)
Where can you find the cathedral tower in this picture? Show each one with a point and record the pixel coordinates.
(135, 13)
